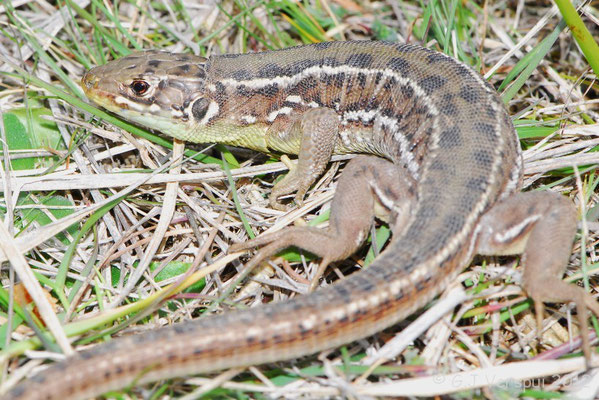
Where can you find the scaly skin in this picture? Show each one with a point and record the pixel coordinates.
(444, 129)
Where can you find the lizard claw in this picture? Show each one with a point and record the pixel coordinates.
(277, 205)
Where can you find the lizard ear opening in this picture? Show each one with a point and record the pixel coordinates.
(200, 108)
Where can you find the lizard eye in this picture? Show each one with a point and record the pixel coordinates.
(139, 87)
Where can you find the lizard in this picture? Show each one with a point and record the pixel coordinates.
(438, 158)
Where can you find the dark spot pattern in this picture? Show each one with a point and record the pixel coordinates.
(353, 106)
(432, 83)
(359, 60)
(270, 71)
(269, 90)
(372, 104)
(326, 79)
(339, 79)
(154, 63)
(406, 48)
(343, 292)
(199, 108)
(483, 158)
(447, 106)
(390, 83)
(301, 65)
(365, 285)
(399, 64)
(361, 78)
(243, 90)
(439, 165)
(330, 62)
(454, 220)
(451, 138)
(463, 72)
(317, 99)
(230, 56)
(476, 184)
(485, 129)
(469, 94)
(242, 75)
(389, 112)
(490, 111)
(289, 104)
(322, 45)
(435, 58)
(308, 83)
(407, 91)
(220, 88)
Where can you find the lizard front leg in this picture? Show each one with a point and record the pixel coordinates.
(365, 181)
(316, 130)
(541, 227)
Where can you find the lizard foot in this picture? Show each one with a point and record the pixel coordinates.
(313, 240)
(541, 226)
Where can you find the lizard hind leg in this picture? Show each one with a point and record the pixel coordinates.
(362, 183)
(540, 226)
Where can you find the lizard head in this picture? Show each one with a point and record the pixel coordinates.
(159, 90)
